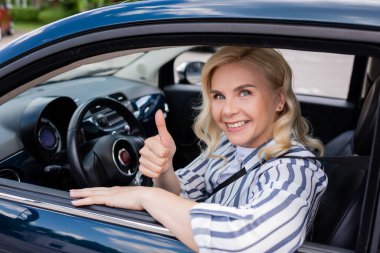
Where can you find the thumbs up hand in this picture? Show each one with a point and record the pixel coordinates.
(158, 151)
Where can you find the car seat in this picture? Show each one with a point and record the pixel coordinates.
(337, 220)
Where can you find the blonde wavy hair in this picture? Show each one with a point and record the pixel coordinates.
(289, 124)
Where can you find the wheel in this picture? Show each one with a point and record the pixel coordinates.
(109, 160)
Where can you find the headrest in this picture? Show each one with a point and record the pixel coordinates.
(365, 129)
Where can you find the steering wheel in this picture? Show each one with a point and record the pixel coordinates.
(110, 159)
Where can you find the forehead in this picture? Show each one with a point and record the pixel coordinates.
(231, 75)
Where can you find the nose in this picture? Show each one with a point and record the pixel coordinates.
(230, 107)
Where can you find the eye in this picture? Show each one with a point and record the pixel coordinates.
(218, 96)
(245, 93)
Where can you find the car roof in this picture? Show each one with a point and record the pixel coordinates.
(353, 14)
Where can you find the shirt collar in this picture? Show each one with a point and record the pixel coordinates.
(252, 158)
(243, 152)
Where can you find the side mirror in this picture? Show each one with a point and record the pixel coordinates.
(190, 72)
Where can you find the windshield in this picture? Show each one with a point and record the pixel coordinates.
(137, 66)
(103, 68)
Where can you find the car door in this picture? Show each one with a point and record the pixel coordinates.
(38, 219)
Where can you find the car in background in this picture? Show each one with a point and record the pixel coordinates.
(6, 23)
(78, 96)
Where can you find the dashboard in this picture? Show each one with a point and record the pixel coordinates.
(34, 124)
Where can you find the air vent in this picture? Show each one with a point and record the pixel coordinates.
(118, 96)
(107, 118)
(9, 174)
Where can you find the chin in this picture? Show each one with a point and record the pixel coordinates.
(238, 141)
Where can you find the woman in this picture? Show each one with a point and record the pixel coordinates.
(250, 121)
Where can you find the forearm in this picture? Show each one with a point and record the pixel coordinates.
(168, 181)
(172, 212)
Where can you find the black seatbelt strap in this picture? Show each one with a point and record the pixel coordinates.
(233, 178)
(229, 180)
(348, 161)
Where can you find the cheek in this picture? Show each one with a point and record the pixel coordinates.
(259, 110)
(270, 112)
(215, 111)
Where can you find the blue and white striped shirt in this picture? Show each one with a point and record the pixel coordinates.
(267, 210)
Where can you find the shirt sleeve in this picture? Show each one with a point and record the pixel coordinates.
(191, 178)
(275, 219)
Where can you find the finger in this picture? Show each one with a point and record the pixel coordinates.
(91, 188)
(163, 132)
(147, 172)
(93, 200)
(153, 149)
(86, 192)
(152, 166)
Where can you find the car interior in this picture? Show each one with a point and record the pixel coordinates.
(339, 226)
(57, 127)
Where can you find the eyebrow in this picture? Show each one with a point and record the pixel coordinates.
(237, 88)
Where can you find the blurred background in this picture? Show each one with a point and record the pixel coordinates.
(21, 16)
(30, 14)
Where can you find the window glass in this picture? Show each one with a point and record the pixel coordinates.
(133, 65)
(321, 74)
(101, 68)
(315, 73)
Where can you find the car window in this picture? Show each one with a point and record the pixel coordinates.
(101, 68)
(320, 74)
(138, 66)
(315, 73)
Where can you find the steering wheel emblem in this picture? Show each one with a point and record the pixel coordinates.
(124, 157)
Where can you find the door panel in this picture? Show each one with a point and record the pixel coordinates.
(39, 219)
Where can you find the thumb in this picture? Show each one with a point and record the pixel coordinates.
(163, 132)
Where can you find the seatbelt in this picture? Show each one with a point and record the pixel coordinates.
(348, 161)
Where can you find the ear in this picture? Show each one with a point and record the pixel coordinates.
(280, 102)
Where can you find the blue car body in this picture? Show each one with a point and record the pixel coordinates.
(29, 229)
(325, 13)
(28, 224)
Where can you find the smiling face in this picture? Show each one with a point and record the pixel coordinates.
(243, 104)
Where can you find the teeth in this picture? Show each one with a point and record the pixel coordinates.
(236, 124)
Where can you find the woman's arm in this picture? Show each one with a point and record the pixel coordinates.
(167, 208)
(168, 181)
(173, 212)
